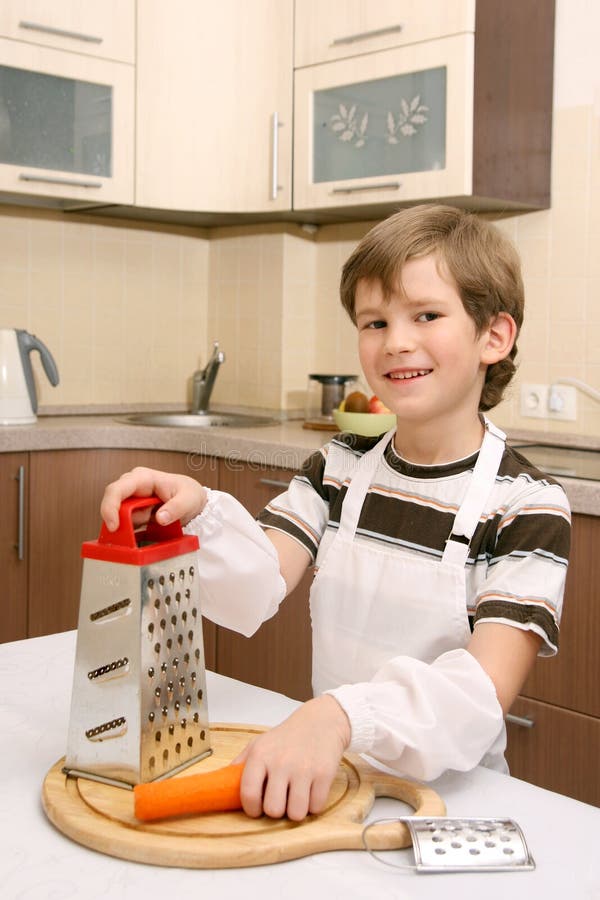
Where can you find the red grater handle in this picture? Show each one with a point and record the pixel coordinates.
(124, 536)
(125, 545)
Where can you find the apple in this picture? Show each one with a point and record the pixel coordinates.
(376, 406)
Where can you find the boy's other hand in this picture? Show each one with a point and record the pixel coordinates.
(183, 496)
(290, 769)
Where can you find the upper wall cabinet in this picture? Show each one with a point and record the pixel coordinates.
(214, 113)
(105, 29)
(326, 31)
(66, 126)
(461, 116)
(66, 103)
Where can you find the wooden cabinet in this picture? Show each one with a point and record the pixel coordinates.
(13, 563)
(465, 117)
(66, 125)
(562, 695)
(279, 655)
(214, 105)
(104, 29)
(327, 31)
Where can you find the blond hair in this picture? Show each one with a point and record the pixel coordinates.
(482, 262)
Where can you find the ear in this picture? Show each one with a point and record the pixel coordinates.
(498, 338)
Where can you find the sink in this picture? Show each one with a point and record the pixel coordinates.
(198, 420)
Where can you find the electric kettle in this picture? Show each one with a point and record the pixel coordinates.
(18, 398)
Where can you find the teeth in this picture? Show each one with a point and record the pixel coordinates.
(402, 376)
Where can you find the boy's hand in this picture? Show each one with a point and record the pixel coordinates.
(290, 769)
(183, 496)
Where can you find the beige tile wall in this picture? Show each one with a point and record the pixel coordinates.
(130, 311)
(123, 309)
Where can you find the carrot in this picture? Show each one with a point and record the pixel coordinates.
(206, 792)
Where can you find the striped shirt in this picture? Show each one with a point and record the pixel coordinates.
(518, 556)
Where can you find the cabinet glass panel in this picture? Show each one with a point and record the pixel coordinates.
(49, 122)
(382, 127)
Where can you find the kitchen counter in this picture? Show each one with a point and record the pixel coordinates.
(39, 861)
(284, 444)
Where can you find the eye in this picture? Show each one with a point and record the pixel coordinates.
(377, 323)
(428, 317)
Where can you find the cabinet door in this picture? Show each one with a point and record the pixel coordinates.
(559, 752)
(66, 487)
(279, 656)
(214, 105)
(385, 127)
(333, 30)
(66, 125)
(13, 546)
(104, 29)
(572, 678)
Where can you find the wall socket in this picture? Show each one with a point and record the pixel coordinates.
(543, 401)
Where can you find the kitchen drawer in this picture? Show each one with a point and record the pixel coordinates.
(559, 752)
(105, 29)
(340, 28)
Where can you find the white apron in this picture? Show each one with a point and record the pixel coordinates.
(369, 604)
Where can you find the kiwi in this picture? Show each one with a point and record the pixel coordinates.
(356, 402)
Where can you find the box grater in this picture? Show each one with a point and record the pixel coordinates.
(138, 708)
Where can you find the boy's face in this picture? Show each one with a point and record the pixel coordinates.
(419, 350)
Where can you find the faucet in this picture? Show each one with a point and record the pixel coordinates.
(204, 379)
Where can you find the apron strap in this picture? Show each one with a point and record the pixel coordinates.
(478, 490)
(366, 466)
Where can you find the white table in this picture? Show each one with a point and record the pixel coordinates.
(39, 863)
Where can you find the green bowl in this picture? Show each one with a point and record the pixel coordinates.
(367, 424)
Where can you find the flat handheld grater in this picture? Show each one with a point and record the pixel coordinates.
(138, 708)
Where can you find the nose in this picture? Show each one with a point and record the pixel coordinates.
(399, 338)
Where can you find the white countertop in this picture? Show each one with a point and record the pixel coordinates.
(39, 863)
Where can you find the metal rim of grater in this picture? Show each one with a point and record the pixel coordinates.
(461, 844)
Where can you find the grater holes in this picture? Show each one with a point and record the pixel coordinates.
(184, 616)
(199, 695)
(181, 575)
(157, 648)
(188, 593)
(172, 577)
(171, 730)
(165, 756)
(191, 572)
(194, 613)
(152, 762)
(202, 735)
(112, 728)
(157, 603)
(161, 580)
(110, 670)
(174, 620)
(178, 597)
(190, 741)
(169, 643)
(157, 737)
(178, 748)
(168, 600)
(190, 636)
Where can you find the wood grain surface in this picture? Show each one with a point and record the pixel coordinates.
(101, 817)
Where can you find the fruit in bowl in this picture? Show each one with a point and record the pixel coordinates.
(363, 415)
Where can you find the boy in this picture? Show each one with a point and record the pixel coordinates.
(440, 554)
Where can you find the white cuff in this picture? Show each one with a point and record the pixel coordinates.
(238, 567)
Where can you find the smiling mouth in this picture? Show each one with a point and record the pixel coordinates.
(407, 376)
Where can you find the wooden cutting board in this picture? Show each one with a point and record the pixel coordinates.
(101, 816)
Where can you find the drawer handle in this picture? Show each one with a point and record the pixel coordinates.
(274, 482)
(523, 721)
(61, 32)
(20, 479)
(387, 186)
(74, 182)
(275, 125)
(367, 35)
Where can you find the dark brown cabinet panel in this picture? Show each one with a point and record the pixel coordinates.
(572, 678)
(279, 655)
(13, 546)
(560, 751)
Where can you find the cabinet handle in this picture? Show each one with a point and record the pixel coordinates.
(275, 126)
(20, 479)
(366, 35)
(387, 186)
(74, 182)
(61, 32)
(523, 721)
(273, 482)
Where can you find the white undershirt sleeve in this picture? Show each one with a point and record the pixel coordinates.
(240, 582)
